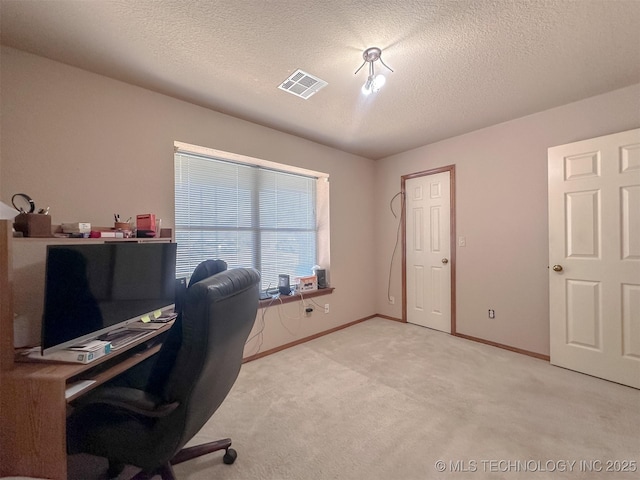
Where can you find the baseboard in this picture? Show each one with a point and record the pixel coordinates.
(504, 347)
(394, 319)
(387, 317)
(305, 339)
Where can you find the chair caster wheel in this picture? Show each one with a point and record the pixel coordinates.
(230, 456)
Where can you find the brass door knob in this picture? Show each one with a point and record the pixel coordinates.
(445, 260)
(557, 268)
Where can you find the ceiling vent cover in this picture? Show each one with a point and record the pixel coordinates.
(302, 84)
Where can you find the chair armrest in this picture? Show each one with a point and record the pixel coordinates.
(130, 400)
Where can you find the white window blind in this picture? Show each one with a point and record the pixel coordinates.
(246, 215)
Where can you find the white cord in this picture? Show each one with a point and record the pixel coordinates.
(298, 318)
(397, 237)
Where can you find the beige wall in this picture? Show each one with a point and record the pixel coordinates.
(501, 184)
(89, 146)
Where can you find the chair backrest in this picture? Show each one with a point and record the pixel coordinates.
(206, 269)
(219, 313)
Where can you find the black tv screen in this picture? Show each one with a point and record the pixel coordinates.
(95, 288)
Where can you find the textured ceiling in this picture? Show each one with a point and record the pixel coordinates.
(458, 65)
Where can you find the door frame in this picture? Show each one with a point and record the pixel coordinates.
(452, 236)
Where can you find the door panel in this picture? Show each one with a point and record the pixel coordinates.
(583, 224)
(631, 223)
(594, 248)
(583, 314)
(630, 324)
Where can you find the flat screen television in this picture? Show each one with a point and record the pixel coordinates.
(93, 289)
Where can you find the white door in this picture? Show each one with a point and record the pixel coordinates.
(428, 267)
(594, 256)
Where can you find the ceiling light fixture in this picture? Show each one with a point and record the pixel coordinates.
(374, 82)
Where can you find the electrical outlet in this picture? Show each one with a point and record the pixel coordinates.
(392, 300)
(326, 308)
(492, 313)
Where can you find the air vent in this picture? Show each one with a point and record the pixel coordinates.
(301, 84)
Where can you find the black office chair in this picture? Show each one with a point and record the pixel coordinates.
(148, 427)
(206, 269)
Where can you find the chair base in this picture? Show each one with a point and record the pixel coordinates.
(166, 471)
(210, 447)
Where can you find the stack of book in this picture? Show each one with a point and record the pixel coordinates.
(76, 227)
(85, 353)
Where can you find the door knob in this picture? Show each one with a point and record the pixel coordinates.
(445, 260)
(557, 268)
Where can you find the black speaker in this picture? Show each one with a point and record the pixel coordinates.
(322, 278)
(181, 293)
(283, 284)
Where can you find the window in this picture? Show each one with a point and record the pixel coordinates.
(247, 214)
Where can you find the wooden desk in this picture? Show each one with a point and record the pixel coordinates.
(33, 439)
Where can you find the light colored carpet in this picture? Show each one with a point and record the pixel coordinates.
(385, 400)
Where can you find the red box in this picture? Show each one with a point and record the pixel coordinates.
(146, 221)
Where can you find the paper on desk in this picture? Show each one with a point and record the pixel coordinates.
(148, 325)
(74, 388)
(7, 212)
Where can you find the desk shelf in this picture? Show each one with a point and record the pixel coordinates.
(34, 434)
(105, 367)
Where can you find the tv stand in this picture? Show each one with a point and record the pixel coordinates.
(34, 437)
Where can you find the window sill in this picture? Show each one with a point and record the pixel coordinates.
(295, 297)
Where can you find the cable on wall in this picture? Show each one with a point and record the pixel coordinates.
(281, 314)
(259, 333)
(314, 302)
(262, 323)
(395, 247)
